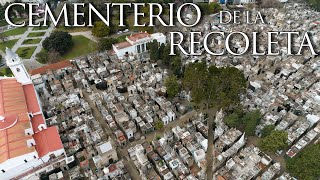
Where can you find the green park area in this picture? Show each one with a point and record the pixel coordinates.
(15, 32)
(81, 46)
(26, 52)
(32, 41)
(72, 29)
(5, 72)
(8, 44)
(36, 34)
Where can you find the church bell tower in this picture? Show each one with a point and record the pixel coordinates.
(16, 65)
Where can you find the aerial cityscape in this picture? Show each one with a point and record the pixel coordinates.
(118, 103)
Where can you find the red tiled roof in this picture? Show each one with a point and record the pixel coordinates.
(13, 140)
(31, 98)
(47, 141)
(138, 36)
(36, 121)
(55, 66)
(9, 121)
(122, 45)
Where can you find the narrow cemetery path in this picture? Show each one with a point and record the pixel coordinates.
(121, 153)
(96, 113)
(209, 156)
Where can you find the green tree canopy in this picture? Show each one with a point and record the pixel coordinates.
(267, 130)
(159, 125)
(154, 50)
(276, 140)
(306, 164)
(58, 41)
(232, 120)
(220, 87)
(246, 121)
(250, 121)
(210, 8)
(314, 4)
(172, 85)
(100, 29)
(106, 43)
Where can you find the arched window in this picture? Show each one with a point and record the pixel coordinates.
(18, 69)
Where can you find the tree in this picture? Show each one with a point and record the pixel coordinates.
(250, 121)
(276, 140)
(53, 56)
(159, 125)
(58, 41)
(172, 85)
(232, 120)
(306, 164)
(267, 130)
(243, 121)
(154, 50)
(215, 86)
(100, 29)
(164, 55)
(106, 43)
(314, 4)
(176, 65)
(210, 8)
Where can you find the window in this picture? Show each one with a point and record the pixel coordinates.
(3, 170)
(18, 69)
(35, 157)
(25, 161)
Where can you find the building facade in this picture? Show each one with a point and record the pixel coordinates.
(137, 43)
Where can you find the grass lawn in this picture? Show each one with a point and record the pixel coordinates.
(31, 41)
(5, 72)
(36, 34)
(26, 52)
(8, 44)
(72, 29)
(82, 46)
(16, 31)
(14, 20)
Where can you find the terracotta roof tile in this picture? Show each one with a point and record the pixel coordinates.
(12, 103)
(122, 45)
(54, 66)
(138, 36)
(31, 98)
(47, 141)
(36, 121)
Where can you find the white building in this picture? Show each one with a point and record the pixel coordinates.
(25, 140)
(137, 43)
